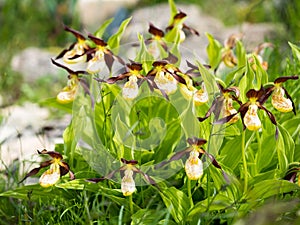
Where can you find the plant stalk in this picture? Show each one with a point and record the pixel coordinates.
(130, 204)
(244, 161)
(190, 192)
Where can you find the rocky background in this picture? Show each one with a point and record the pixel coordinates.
(28, 127)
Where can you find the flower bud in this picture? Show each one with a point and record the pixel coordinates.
(194, 166)
(251, 119)
(128, 184)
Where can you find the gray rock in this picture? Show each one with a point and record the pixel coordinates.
(159, 15)
(34, 63)
(93, 12)
(25, 129)
(255, 33)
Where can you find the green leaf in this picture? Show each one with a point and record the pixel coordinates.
(144, 56)
(99, 33)
(35, 192)
(292, 126)
(177, 202)
(173, 9)
(260, 74)
(266, 151)
(52, 102)
(231, 153)
(219, 202)
(241, 54)
(114, 41)
(295, 50)
(209, 81)
(147, 217)
(246, 82)
(213, 50)
(268, 188)
(285, 150)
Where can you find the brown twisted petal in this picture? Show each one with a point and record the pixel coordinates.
(76, 33)
(285, 78)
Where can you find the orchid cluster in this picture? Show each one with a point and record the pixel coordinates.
(164, 76)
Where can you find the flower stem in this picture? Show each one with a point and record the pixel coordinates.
(131, 204)
(190, 192)
(244, 162)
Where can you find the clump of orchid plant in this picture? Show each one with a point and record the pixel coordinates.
(128, 170)
(194, 165)
(58, 168)
(130, 89)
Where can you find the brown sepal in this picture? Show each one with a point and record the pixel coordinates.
(155, 31)
(97, 41)
(196, 141)
(131, 162)
(53, 154)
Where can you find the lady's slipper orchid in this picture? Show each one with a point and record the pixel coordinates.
(178, 23)
(189, 91)
(258, 53)
(223, 104)
(131, 87)
(76, 52)
(249, 110)
(156, 41)
(278, 100)
(58, 168)
(128, 186)
(68, 93)
(228, 56)
(165, 76)
(193, 165)
(100, 55)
